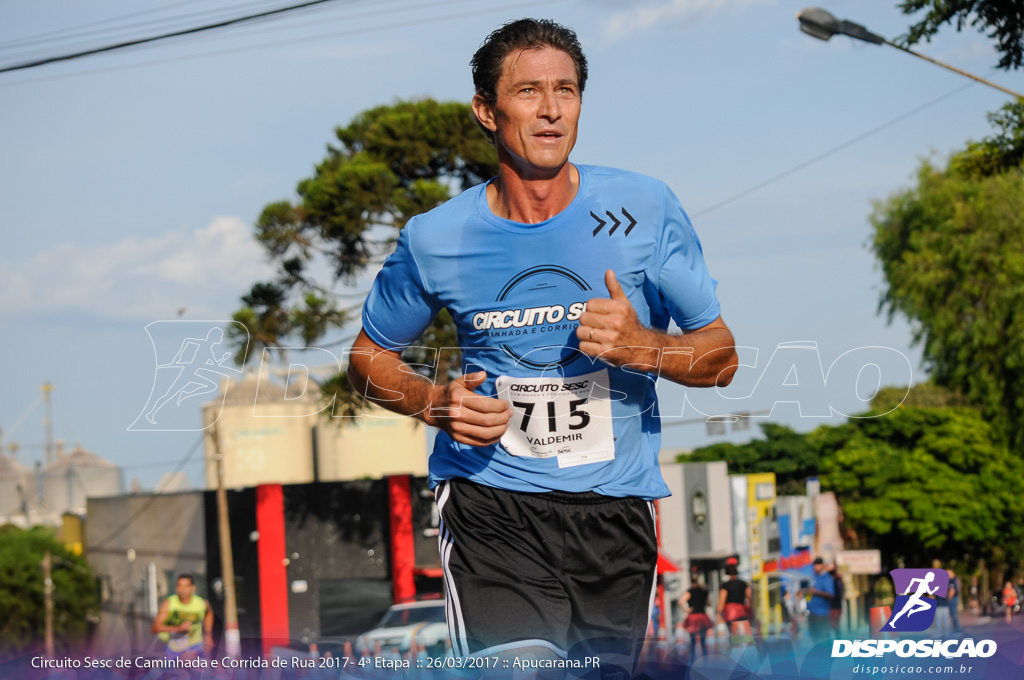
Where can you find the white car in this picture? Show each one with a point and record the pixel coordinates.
(422, 622)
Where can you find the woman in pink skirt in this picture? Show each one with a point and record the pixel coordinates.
(696, 623)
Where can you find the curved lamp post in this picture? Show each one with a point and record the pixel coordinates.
(820, 24)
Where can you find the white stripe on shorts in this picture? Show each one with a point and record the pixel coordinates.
(654, 582)
(453, 610)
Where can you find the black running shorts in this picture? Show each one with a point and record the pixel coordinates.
(573, 572)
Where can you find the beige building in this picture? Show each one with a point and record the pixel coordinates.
(269, 435)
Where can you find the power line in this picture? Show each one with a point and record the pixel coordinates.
(247, 31)
(155, 464)
(152, 499)
(43, 37)
(87, 40)
(834, 149)
(142, 41)
(292, 41)
(295, 23)
(21, 419)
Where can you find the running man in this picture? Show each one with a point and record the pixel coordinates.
(561, 280)
(914, 604)
(192, 370)
(185, 621)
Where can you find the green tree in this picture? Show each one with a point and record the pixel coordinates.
(926, 483)
(918, 483)
(783, 451)
(925, 395)
(1003, 19)
(75, 595)
(1001, 152)
(390, 164)
(953, 258)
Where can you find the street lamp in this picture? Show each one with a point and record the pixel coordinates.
(820, 24)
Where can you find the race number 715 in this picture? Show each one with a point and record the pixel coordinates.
(574, 412)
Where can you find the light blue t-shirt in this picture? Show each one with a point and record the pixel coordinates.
(516, 292)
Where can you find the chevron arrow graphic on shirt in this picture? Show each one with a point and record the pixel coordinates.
(602, 223)
(632, 222)
(615, 220)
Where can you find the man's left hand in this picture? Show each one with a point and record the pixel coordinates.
(611, 330)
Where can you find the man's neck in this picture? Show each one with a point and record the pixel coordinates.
(532, 200)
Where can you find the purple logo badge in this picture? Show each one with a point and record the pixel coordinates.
(917, 592)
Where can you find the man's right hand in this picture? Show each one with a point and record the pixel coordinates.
(467, 417)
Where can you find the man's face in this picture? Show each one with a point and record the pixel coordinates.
(818, 568)
(536, 113)
(185, 589)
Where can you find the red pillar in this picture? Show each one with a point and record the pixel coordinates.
(274, 627)
(403, 548)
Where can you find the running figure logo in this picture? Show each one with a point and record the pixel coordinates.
(917, 590)
(191, 359)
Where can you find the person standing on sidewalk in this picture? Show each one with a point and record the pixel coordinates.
(696, 623)
(819, 609)
(734, 602)
(953, 598)
(835, 613)
(1009, 600)
(943, 621)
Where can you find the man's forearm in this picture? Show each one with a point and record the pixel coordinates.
(469, 418)
(383, 378)
(703, 358)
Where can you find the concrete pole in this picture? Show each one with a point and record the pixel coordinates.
(48, 601)
(232, 641)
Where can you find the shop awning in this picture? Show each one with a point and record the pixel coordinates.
(666, 565)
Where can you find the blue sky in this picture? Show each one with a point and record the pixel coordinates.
(129, 181)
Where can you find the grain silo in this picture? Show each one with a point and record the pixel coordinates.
(17, 487)
(78, 475)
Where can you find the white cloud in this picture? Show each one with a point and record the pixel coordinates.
(966, 52)
(672, 12)
(140, 278)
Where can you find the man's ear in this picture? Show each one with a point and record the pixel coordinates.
(484, 113)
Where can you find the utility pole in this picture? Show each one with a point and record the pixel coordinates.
(232, 641)
(48, 601)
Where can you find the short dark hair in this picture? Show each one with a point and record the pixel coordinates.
(731, 570)
(818, 560)
(523, 34)
(188, 577)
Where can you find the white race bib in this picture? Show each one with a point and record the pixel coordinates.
(565, 418)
